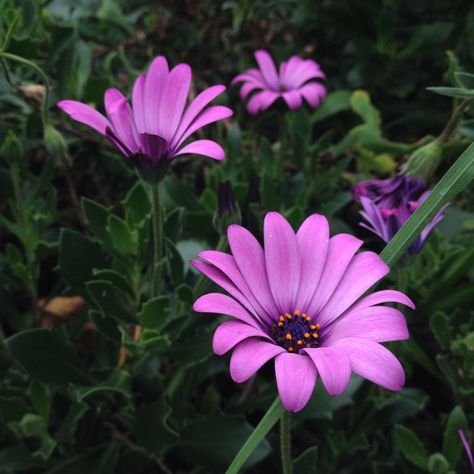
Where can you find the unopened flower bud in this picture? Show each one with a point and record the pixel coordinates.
(55, 143)
(12, 148)
(228, 211)
(424, 161)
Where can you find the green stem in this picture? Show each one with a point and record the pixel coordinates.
(285, 442)
(453, 122)
(157, 223)
(266, 424)
(44, 77)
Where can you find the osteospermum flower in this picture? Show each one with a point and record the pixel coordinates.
(297, 301)
(389, 203)
(294, 82)
(153, 130)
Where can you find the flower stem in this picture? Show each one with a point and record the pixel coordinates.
(157, 223)
(285, 443)
(453, 122)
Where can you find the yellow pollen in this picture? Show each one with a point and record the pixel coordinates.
(290, 349)
(308, 318)
(288, 315)
(280, 324)
(306, 335)
(288, 336)
(304, 315)
(300, 342)
(296, 312)
(314, 327)
(281, 318)
(315, 335)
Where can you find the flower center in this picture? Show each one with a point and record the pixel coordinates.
(295, 331)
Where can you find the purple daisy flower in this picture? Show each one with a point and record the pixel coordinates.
(297, 301)
(154, 131)
(293, 82)
(388, 203)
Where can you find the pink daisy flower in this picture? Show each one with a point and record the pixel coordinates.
(153, 130)
(297, 301)
(293, 82)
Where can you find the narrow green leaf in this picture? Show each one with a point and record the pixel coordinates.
(452, 445)
(411, 446)
(457, 92)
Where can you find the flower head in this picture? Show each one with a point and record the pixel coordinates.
(293, 82)
(297, 301)
(152, 130)
(388, 203)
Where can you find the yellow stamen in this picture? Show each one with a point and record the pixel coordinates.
(281, 318)
(308, 318)
(290, 349)
(296, 312)
(315, 335)
(288, 336)
(288, 315)
(314, 327)
(318, 326)
(280, 324)
(306, 335)
(300, 342)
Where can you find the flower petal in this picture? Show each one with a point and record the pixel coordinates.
(230, 333)
(138, 103)
(296, 377)
(250, 259)
(218, 303)
(313, 92)
(261, 101)
(268, 69)
(251, 75)
(282, 260)
(334, 367)
(203, 147)
(384, 296)
(377, 323)
(153, 92)
(173, 99)
(365, 269)
(341, 250)
(373, 362)
(249, 356)
(247, 88)
(85, 114)
(313, 240)
(293, 99)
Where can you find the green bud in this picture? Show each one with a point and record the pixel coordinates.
(438, 464)
(424, 161)
(228, 211)
(12, 149)
(55, 143)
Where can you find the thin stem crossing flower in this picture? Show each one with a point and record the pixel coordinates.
(298, 301)
(293, 82)
(154, 129)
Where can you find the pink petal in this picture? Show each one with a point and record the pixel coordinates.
(230, 333)
(334, 367)
(373, 362)
(261, 101)
(282, 261)
(305, 72)
(341, 250)
(251, 75)
(296, 377)
(203, 147)
(210, 115)
(250, 259)
(377, 323)
(138, 104)
(226, 264)
(153, 92)
(314, 93)
(313, 240)
(249, 356)
(384, 296)
(173, 99)
(85, 114)
(247, 88)
(267, 67)
(218, 303)
(293, 63)
(365, 269)
(194, 109)
(293, 99)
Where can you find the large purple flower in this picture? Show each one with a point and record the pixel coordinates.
(293, 82)
(297, 301)
(389, 203)
(154, 131)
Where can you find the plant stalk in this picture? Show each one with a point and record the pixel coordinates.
(157, 223)
(285, 442)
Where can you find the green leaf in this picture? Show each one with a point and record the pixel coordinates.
(334, 103)
(439, 325)
(306, 462)
(361, 104)
(41, 398)
(258, 434)
(155, 312)
(457, 92)
(452, 445)
(438, 464)
(136, 205)
(120, 235)
(48, 357)
(457, 178)
(465, 79)
(97, 217)
(109, 299)
(411, 446)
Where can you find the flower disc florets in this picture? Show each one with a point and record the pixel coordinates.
(295, 331)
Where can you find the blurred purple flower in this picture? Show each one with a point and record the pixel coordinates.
(467, 448)
(153, 132)
(297, 301)
(293, 82)
(388, 203)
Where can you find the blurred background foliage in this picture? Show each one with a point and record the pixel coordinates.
(96, 376)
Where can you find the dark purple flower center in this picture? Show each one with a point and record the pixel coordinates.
(295, 331)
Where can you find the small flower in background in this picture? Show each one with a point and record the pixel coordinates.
(152, 131)
(297, 301)
(293, 82)
(467, 448)
(388, 203)
(228, 210)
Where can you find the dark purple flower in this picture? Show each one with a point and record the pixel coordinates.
(154, 129)
(293, 82)
(388, 203)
